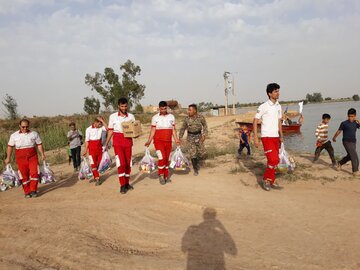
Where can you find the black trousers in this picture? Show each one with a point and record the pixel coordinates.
(350, 148)
(242, 146)
(328, 147)
(76, 156)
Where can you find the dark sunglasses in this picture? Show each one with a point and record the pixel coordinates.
(24, 126)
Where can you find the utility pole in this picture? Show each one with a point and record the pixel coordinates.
(226, 76)
(233, 93)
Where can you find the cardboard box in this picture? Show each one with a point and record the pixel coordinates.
(131, 129)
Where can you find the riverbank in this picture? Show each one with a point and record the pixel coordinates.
(312, 223)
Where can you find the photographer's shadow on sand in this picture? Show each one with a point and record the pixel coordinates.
(206, 244)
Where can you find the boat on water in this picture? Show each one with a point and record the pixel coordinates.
(291, 128)
(288, 126)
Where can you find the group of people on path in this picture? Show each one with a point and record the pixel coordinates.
(269, 115)
(348, 128)
(163, 130)
(162, 133)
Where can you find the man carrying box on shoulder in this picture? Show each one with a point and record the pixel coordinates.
(122, 145)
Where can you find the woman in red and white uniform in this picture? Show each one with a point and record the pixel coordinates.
(162, 131)
(93, 145)
(25, 143)
(122, 145)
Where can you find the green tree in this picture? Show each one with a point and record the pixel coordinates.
(356, 97)
(205, 106)
(110, 88)
(10, 105)
(91, 105)
(315, 97)
(139, 108)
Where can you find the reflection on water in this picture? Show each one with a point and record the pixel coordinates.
(305, 141)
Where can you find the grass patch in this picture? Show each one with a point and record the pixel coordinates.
(208, 164)
(259, 165)
(326, 179)
(58, 157)
(213, 151)
(237, 169)
(289, 177)
(303, 166)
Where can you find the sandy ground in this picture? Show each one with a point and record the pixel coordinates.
(220, 219)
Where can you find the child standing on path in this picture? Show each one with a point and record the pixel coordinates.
(322, 141)
(349, 128)
(244, 141)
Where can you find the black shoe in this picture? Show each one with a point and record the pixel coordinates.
(196, 172)
(195, 163)
(167, 180)
(266, 185)
(98, 183)
(34, 194)
(27, 196)
(123, 190)
(276, 186)
(129, 187)
(162, 180)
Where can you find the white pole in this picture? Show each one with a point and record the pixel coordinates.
(233, 90)
(226, 92)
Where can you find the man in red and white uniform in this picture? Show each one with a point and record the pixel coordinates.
(122, 145)
(25, 143)
(162, 131)
(269, 114)
(93, 143)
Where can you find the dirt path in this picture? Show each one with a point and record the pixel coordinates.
(220, 219)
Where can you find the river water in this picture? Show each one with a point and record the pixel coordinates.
(305, 141)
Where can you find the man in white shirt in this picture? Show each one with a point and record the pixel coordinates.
(93, 143)
(162, 131)
(122, 145)
(269, 114)
(25, 143)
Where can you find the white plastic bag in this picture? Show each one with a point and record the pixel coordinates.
(301, 106)
(286, 162)
(147, 163)
(85, 171)
(9, 178)
(46, 174)
(105, 162)
(178, 161)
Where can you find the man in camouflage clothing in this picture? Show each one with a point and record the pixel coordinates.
(196, 127)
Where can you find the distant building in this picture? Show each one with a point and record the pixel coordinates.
(218, 111)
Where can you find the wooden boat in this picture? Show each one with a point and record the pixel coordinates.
(293, 128)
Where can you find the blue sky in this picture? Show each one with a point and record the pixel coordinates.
(183, 48)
